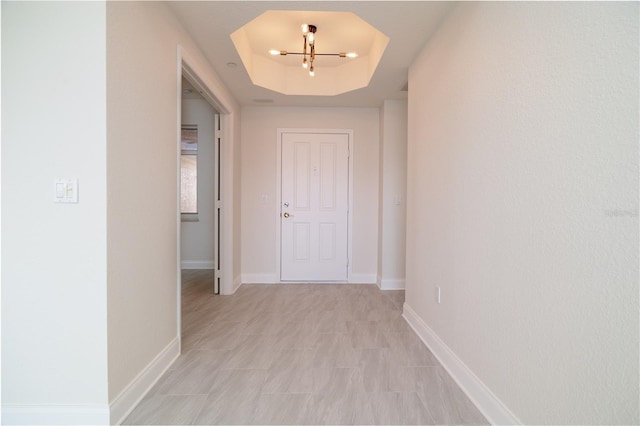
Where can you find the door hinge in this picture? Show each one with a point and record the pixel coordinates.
(218, 204)
(217, 276)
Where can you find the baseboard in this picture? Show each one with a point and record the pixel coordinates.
(272, 279)
(237, 282)
(97, 414)
(489, 405)
(391, 284)
(130, 396)
(363, 279)
(259, 279)
(197, 264)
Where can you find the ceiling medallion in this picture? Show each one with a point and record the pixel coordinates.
(309, 37)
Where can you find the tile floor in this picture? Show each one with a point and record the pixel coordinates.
(301, 354)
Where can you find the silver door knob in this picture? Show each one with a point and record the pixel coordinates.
(286, 215)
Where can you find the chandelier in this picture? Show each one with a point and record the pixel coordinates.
(309, 49)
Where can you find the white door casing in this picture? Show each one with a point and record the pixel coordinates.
(314, 206)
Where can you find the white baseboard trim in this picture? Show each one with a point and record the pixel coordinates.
(130, 396)
(363, 279)
(54, 414)
(391, 284)
(272, 279)
(237, 282)
(489, 405)
(259, 279)
(197, 264)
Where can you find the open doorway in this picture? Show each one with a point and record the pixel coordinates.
(199, 188)
(199, 209)
(220, 279)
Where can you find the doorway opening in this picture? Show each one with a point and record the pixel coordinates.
(222, 235)
(200, 185)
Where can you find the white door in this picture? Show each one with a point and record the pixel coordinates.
(314, 207)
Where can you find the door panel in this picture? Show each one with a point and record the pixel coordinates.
(301, 241)
(328, 159)
(314, 212)
(327, 241)
(301, 176)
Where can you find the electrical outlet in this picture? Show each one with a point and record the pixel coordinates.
(438, 293)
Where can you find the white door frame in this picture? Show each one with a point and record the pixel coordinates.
(280, 132)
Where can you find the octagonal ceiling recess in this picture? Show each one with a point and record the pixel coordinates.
(336, 32)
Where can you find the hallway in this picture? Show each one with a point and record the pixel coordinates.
(300, 354)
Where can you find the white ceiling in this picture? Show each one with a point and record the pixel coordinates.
(408, 24)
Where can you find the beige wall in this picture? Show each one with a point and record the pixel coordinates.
(90, 289)
(523, 204)
(259, 127)
(54, 326)
(141, 171)
(142, 116)
(393, 194)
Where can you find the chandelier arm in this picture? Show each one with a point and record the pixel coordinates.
(316, 54)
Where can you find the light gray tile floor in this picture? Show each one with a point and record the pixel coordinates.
(301, 354)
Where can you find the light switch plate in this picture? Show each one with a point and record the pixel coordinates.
(65, 191)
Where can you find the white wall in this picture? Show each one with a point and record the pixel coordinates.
(54, 324)
(523, 204)
(393, 188)
(143, 82)
(259, 127)
(198, 238)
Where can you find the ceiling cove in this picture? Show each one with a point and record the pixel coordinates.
(335, 32)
